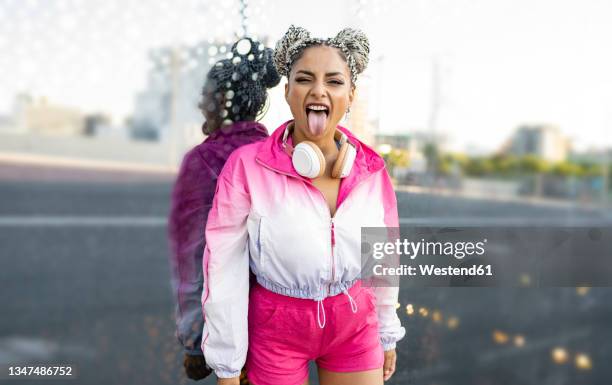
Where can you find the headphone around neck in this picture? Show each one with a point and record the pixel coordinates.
(308, 160)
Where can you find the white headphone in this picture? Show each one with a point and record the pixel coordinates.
(308, 160)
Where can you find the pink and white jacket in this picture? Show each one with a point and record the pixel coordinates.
(270, 218)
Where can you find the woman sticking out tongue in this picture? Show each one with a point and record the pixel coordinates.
(319, 91)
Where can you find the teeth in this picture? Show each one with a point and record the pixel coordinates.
(317, 108)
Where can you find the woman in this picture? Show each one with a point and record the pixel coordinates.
(230, 104)
(292, 207)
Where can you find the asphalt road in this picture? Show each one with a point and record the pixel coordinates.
(85, 281)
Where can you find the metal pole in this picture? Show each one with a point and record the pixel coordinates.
(433, 115)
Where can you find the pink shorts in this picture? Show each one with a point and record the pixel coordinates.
(284, 335)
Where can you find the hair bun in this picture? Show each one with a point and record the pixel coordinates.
(235, 88)
(290, 44)
(355, 44)
(252, 57)
(270, 76)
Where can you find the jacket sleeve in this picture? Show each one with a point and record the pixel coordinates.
(192, 197)
(226, 274)
(390, 327)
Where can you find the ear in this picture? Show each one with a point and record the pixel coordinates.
(351, 95)
(287, 90)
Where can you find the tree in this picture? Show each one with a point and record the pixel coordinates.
(533, 165)
(566, 169)
(504, 164)
(479, 167)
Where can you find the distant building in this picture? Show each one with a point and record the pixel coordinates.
(592, 156)
(167, 110)
(16, 122)
(359, 123)
(6, 124)
(399, 141)
(543, 141)
(413, 143)
(95, 124)
(100, 126)
(38, 116)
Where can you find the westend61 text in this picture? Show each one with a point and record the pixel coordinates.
(432, 270)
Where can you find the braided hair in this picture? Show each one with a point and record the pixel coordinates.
(352, 43)
(236, 88)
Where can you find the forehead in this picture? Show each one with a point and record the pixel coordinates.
(321, 59)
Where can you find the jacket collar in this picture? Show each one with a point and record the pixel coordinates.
(272, 155)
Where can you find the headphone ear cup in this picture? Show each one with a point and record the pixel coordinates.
(340, 161)
(308, 160)
(345, 163)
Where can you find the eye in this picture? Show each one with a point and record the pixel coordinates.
(336, 82)
(302, 80)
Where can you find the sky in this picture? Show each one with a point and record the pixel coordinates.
(500, 63)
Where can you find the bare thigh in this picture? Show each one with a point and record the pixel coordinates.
(367, 377)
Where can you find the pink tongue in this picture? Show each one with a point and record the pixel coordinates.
(316, 122)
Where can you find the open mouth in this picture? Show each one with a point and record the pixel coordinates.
(317, 117)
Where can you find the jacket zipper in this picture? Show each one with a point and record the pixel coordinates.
(333, 258)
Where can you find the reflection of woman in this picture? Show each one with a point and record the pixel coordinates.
(233, 95)
(292, 207)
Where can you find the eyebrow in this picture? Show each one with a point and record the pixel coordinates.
(313, 75)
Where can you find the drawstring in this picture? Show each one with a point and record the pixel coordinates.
(321, 308)
(351, 300)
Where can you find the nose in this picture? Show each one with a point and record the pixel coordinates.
(318, 89)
